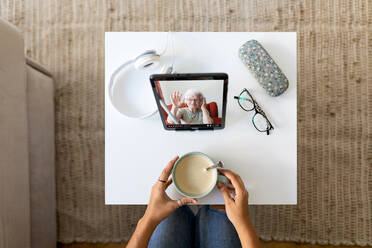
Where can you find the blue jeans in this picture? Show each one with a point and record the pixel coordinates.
(209, 228)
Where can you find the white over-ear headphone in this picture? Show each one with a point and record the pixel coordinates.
(147, 59)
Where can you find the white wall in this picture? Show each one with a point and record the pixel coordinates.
(211, 89)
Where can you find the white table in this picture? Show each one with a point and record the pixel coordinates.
(138, 149)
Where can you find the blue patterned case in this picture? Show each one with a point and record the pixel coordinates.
(264, 68)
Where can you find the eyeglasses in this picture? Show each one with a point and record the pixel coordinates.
(193, 100)
(259, 119)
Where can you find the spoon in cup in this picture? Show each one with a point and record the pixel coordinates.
(219, 165)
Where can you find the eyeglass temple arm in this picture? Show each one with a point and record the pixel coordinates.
(238, 97)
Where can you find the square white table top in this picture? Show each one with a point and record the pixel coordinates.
(136, 150)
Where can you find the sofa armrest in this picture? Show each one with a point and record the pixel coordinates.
(32, 63)
(40, 98)
(14, 167)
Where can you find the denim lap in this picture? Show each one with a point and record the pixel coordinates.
(175, 231)
(209, 228)
(214, 229)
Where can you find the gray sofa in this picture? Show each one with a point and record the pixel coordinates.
(27, 150)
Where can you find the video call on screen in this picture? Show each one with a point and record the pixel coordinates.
(191, 102)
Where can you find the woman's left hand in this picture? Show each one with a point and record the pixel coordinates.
(204, 105)
(160, 205)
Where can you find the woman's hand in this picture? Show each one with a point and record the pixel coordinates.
(236, 208)
(207, 119)
(204, 105)
(176, 99)
(160, 205)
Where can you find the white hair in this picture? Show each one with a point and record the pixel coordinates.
(191, 92)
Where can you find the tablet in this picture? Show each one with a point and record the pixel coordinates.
(192, 101)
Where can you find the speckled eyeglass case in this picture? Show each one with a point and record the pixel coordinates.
(264, 68)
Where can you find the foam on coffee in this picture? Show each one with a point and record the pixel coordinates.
(191, 174)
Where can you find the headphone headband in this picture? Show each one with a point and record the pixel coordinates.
(147, 59)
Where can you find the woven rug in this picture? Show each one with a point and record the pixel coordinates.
(334, 106)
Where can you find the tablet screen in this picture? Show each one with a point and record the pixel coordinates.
(191, 102)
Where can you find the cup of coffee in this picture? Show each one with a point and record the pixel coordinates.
(191, 178)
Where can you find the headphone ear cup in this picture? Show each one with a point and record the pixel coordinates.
(146, 60)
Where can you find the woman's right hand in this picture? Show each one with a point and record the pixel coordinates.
(236, 207)
(176, 99)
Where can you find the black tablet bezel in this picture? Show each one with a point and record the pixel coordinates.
(191, 76)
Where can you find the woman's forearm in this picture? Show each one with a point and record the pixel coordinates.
(174, 113)
(207, 119)
(142, 234)
(247, 235)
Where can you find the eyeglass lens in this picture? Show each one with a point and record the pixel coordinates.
(260, 122)
(246, 101)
